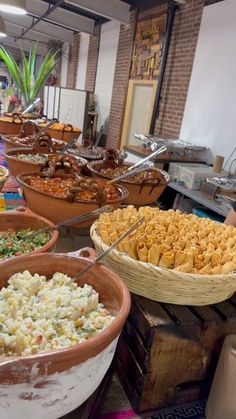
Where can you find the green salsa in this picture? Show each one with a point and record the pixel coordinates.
(16, 243)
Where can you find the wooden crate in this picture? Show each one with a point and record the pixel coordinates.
(92, 407)
(167, 353)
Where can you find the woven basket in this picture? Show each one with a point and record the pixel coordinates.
(166, 285)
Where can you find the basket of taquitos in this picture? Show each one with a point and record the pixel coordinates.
(172, 257)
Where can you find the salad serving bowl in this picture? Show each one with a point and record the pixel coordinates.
(23, 218)
(52, 384)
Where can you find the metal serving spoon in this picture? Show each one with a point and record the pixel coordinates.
(72, 220)
(158, 151)
(130, 173)
(110, 248)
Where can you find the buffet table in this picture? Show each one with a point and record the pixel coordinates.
(199, 197)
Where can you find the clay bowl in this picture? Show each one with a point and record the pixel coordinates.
(19, 114)
(4, 174)
(86, 153)
(22, 217)
(9, 143)
(57, 209)
(66, 132)
(17, 166)
(55, 383)
(140, 192)
(10, 126)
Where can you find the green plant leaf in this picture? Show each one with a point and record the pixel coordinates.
(24, 79)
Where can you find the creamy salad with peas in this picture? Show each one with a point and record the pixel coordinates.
(40, 315)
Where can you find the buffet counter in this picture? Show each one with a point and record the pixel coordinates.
(200, 198)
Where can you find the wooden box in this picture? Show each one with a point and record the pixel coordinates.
(167, 353)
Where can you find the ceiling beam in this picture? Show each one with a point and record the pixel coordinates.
(43, 28)
(25, 45)
(111, 9)
(15, 31)
(40, 18)
(62, 17)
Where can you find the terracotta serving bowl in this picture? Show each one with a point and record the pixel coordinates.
(10, 126)
(63, 132)
(57, 209)
(17, 166)
(52, 384)
(140, 192)
(23, 218)
(4, 174)
(9, 143)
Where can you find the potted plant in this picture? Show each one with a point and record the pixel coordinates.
(28, 83)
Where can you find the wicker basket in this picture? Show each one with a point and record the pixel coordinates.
(166, 285)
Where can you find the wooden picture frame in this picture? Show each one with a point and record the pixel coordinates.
(129, 103)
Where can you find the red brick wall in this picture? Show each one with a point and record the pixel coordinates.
(73, 62)
(179, 68)
(93, 52)
(177, 75)
(121, 79)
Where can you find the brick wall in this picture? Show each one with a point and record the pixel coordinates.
(177, 75)
(93, 52)
(121, 79)
(73, 62)
(179, 68)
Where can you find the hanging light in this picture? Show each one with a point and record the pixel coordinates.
(2, 28)
(17, 7)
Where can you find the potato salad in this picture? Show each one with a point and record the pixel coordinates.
(41, 315)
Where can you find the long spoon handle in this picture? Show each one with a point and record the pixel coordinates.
(158, 151)
(127, 174)
(73, 220)
(110, 248)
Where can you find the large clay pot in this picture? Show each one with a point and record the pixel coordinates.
(52, 384)
(57, 209)
(140, 193)
(9, 144)
(4, 174)
(17, 166)
(23, 218)
(66, 133)
(10, 125)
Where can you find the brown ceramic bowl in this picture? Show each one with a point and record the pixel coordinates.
(17, 166)
(22, 217)
(10, 126)
(57, 209)
(4, 174)
(54, 383)
(140, 192)
(9, 143)
(63, 132)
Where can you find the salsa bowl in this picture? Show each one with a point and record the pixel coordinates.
(61, 205)
(144, 188)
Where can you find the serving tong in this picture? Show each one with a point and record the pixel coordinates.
(139, 166)
(106, 252)
(72, 220)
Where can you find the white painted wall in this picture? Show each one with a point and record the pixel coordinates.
(64, 64)
(210, 111)
(106, 68)
(82, 61)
